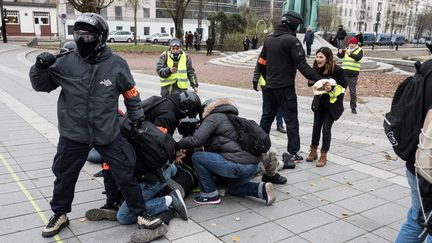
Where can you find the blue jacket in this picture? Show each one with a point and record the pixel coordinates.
(309, 37)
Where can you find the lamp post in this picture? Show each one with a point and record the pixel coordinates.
(378, 17)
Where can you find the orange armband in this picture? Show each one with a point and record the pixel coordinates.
(131, 93)
(262, 61)
(163, 129)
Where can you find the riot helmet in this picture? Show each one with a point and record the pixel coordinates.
(68, 46)
(189, 103)
(90, 34)
(292, 20)
(175, 49)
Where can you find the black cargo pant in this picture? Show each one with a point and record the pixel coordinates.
(69, 160)
(285, 100)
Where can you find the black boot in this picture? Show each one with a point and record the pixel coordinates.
(276, 179)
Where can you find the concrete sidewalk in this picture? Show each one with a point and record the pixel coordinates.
(360, 196)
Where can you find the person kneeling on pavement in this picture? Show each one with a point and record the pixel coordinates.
(223, 156)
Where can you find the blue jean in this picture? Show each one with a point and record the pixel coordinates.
(239, 175)
(279, 117)
(285, 100)
(153, 205)
(94, 156)
(410, 230)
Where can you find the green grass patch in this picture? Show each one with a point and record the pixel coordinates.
(139, 48)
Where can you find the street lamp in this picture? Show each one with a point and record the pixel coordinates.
(378, 17)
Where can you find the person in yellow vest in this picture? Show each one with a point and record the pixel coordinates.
(175, 70)
(351, 59)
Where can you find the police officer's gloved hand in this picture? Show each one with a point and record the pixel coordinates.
(44, 60)
(255, 86)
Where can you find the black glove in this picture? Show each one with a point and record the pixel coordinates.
(44, 60)
(255, 86)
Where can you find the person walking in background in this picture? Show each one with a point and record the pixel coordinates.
(359, 36)
(309, 39)
(175, 70)
(254, 41)
(209, 44)
(329, 106)
(340, 37)
(246, 43)
(351, 59)
(282, 54)
(190, 38)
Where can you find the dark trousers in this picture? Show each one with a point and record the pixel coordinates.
(71, 157)
(113, 194)
(286, 100)
(352, 85)
(323, 120)
(308, 49)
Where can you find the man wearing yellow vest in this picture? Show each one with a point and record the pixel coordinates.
(351, 59)
(175, 70)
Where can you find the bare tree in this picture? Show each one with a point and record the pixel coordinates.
(134, 5)
(177, 9)
(94, 6)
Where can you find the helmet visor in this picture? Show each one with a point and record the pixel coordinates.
(85, 36)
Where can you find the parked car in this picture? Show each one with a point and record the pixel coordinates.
(383, 39)
(159, 37)
(120, 35)
(369, 38)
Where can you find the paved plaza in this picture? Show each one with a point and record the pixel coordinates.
(361, 195)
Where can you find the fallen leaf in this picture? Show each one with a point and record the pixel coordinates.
(235, 239)
(237, 218)
(304, 197)
(287, 192)
(320, 199)
(83, 219)
(349, 183)
(213, 224)
(371, 190)
(345, 214)
(387, 156)
(92, 178)
(312, 184)
(323, 178)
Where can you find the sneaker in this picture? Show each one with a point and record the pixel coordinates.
(105, 212)
(146, 235)
(207, 200)
(281, 129)
(55, 224)
(354, 111)
(268, 194)
(276, 179)
(146, 221)
(288, 162)
(296, 157)
(178, 204)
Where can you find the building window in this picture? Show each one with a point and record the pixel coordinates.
(12, 17)
(345, 12)
(70, 9)
(350, 13)
(172, 31)
(104, 13)
(118, 13)
(70, 29)
(163, 30)
(340, 11)
(119, 27)
(146, 12)
(349, 24)
(146, 30)
(132, 29)
(41, 17)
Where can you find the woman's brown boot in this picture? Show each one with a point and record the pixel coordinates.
(312, 154)
(323, 159)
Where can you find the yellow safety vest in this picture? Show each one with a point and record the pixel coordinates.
(261, 81)
(338, 89)
(180, 76)
(351, 64)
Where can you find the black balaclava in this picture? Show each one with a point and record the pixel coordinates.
(87, 49)
(292, 20)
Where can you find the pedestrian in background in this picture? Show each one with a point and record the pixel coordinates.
(308, 40)
(340, 37)
(209, 44)
(246, 43)
(254, 41)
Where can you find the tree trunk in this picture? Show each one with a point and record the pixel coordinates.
(135, 22)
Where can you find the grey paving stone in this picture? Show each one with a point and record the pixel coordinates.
(35, 151)
(313, 200)
(253, 202)
(369, 238)
(305, 221)
(36, 165)
(268, 232)
(337, 193)
(22, 208)
(370, 158)
(82, 225)
(385, 214)
(69, 240)
(207, 212)
(351, 153)
(120, 233)
(20, 223)
(228, 224)
(202, 237)
(7, 178)
(294, 239)
(336, 211)
(78, 210)
(392, 192)
(13, 186)
(5, 170)
(329, 169)
(398, 224)
(386, 233)
(316, 185)
(370, 184)
(282, 209)
(179, 228)
(348, 176)
(291, 190)
(17, 197)
(35, 174)
(35, 158)
(375, 148)
(22, 141)
(363, 222)
(334, 232)
(27, 147)
(389, 165)
(362, 202)
(300, 176)
(33, 235)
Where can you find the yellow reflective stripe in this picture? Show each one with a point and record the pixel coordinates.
(180, 76)
(28, 195)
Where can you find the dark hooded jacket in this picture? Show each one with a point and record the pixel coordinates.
(281, 55)
(217, 134)
(88, 102)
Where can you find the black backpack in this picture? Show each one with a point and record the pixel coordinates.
(250, 136)
(153, 147)
(403, 123)
(151, 102)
